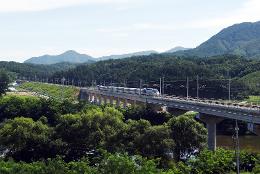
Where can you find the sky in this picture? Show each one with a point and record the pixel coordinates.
(31, 28)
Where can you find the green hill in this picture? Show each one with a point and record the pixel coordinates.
(69, 56)
(240, 39)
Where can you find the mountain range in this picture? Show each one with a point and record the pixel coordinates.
(240, 39)
(69, 56)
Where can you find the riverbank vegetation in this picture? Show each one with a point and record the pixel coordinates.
(40, 135)
(51, 90)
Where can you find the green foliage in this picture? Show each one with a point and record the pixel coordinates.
(220, 161)
(4, 80)
(51, 166)
(254, 99)
(252, 80)
(33, 71)
(188, 135)
(52, 91)
(156, 142)
(122, 163)
(24, 138)
(146, 113)
(175, 69)
(33, 107)
(240, 39)
(83, 130)
(89, 130)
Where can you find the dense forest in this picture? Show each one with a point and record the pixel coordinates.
(57, 136)
(53, 135)
(22, 70)
(213, 74)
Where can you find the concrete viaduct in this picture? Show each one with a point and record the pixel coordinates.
(210, 112)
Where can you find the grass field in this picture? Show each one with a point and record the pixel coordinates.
(51, 90)
(254, 100)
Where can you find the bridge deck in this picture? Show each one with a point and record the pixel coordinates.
(216, 108)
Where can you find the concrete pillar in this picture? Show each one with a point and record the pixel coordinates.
(83, 95)
(134, 103)
(90, 97)
(99, 100)
(117, 102)
(111, 101)
(211, 122)
(95, 99)
(125, 103)
(105, 100)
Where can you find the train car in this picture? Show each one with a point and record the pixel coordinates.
(144, 91)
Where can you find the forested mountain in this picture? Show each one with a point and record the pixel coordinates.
(122, 56)
(239, 39)
(69, 56)
(32, 71)
(213, 72)
(150, 68)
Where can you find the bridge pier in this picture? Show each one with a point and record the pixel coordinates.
(99, 100)
(117, 102)
(125, 103)
(105, 100)
(111, 101)
(83, 95)
(211, 122)
(95, 99)
(90, 99)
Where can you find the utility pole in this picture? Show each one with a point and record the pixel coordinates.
(163, 86)
(187, 86)
(62, 93)
(237, 148)
(160, 86)
(140, 87)
(198, 87)
(125, 82)
(229, 89)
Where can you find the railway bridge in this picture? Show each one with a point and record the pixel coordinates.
(210, 112)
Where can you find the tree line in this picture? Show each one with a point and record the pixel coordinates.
(213, 73)
(46, 135)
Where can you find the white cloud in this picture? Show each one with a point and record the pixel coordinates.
(39, 5)
(249, 12)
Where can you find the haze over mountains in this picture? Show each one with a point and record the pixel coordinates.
(239, 39)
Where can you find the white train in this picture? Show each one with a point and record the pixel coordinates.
(144, 91)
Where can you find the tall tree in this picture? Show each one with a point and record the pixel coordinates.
(4, 80)
(188, 135)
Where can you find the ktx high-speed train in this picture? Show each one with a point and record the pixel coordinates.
(144, 91)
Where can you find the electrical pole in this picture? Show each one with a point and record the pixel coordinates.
(187, 86)
(62, 81)
(160, 86)
(163, 86)
(140, 87)
(198, 87)
(229, 89)
(237, 148)
(125, 83)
